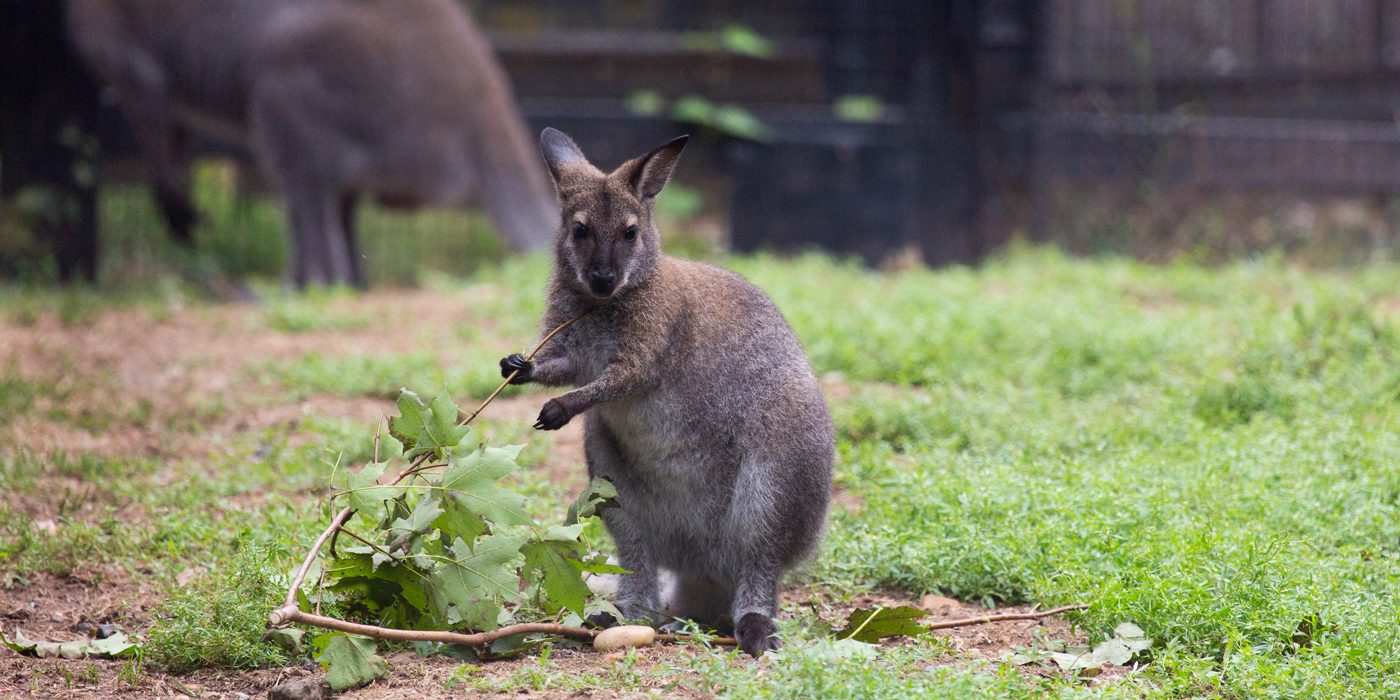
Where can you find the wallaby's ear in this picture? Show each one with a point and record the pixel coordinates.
(560, 152)
(651, 172)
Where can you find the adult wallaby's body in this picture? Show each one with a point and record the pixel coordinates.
(701, 406)
(399, 99)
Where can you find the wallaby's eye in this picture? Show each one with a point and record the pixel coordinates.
(580, 230)
(630, 234)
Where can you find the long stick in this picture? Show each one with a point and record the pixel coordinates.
(1003, 618)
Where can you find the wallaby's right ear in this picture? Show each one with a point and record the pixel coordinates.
(560, 152)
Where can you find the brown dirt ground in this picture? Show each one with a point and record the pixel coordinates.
(184, 359)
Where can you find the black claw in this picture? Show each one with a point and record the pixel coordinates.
(553, 416)
(517, 363)
(757, 633)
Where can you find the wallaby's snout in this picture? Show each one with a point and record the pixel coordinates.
(602, 281)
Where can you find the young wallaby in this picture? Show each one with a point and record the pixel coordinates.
(705, 413)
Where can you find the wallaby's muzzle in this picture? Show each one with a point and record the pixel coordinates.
(602, 282)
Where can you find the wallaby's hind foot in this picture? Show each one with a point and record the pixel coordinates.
(757, 633)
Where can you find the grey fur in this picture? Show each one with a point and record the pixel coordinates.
(700, 404)
(397, 99)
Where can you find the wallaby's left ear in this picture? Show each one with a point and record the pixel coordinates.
(651, 172)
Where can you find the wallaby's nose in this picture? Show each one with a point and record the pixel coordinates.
(603, 277)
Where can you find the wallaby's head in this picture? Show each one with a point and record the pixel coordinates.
(607, 239)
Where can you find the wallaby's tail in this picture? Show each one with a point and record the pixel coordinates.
(515, 188)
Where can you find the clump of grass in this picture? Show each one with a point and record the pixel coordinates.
(221, 621)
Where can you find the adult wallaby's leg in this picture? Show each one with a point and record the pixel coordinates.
(322, 243)
(306, 214)
(348, 205)
(299, 151)
(173, 188)
(75, 244)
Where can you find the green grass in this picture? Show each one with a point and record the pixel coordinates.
(221, 623)
(1211, 453)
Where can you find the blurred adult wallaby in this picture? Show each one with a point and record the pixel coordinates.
(398, 99)
(701, 406)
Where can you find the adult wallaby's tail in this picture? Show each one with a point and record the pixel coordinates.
(515, 190)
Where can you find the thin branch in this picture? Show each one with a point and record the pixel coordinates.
(306, 563)
(376, 547)
(1004, 618)
(320, 589)
(378, 425)
(292, 615)
(684, 638)
(531, 356)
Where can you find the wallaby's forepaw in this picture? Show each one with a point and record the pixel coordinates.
(517, 363)
(757, 633)
(553, 416)
(602, 620)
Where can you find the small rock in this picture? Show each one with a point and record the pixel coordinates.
(242, 696)
(615, 656)
(310, 664)
(47, 527)
(55, 618)
(623, 637)
(304, 689)
(83, 628)
(105, 631)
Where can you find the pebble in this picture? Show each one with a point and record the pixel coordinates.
(304, 689)
(623, 637)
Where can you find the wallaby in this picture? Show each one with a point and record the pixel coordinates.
(701, 406)
(398, 99)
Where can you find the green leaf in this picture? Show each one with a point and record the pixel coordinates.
(870, 626)
(440, 429)
(469, 586)
(599, 565)
(350, 662)
(408, 425)
(471, 481)
(363, 490)
(420, 522)
(458, 521)
(556, 557)
(358, 563)
(287, 638)
(599, 496)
